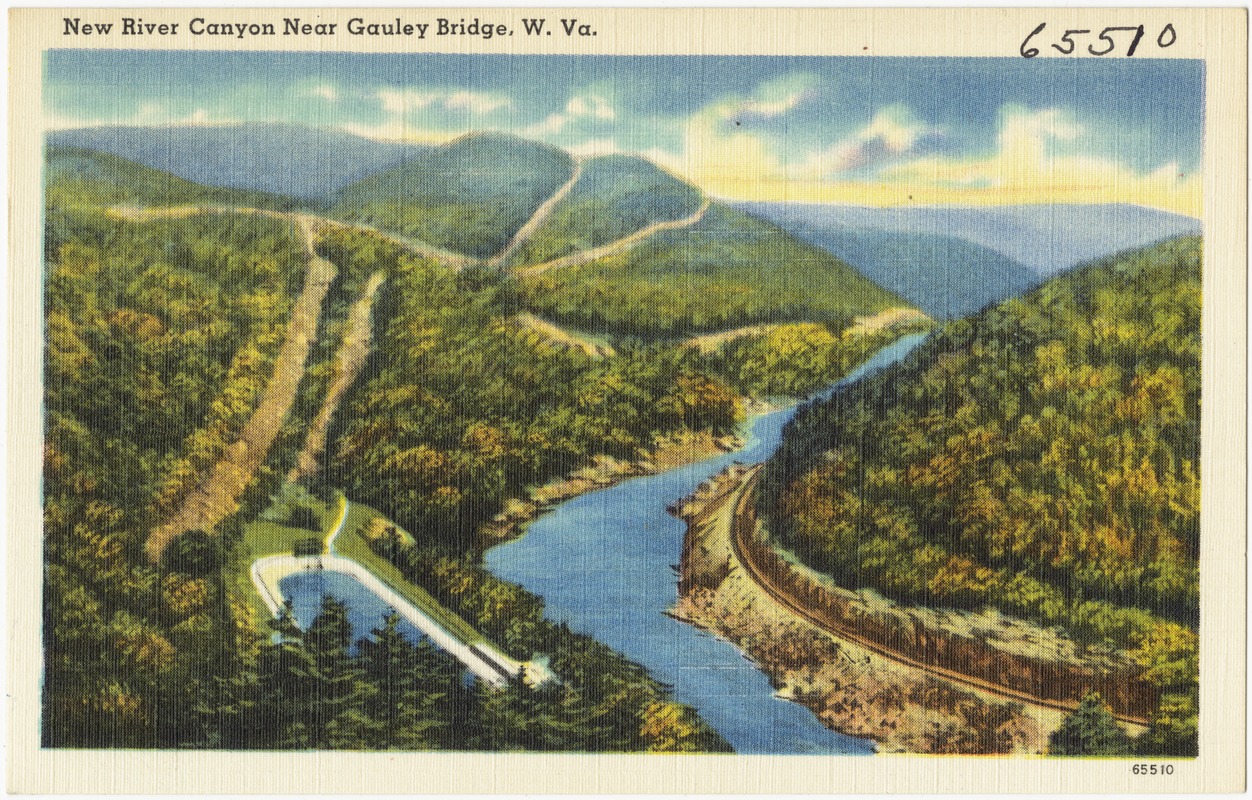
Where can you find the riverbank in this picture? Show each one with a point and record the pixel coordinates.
(851, 688)
(668, 452)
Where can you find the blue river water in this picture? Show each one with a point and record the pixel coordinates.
(603, 563)
(366, 610)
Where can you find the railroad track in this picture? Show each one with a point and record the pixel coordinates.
(760, 576)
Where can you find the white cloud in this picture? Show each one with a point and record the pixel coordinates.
(399, 101)
(147, 115)
(1025, 167)
(579, 107)
(397, 129)
(476, 102)
(595, 147)
(326, 92)
(764, 108)
(770, 100)
(892, 134)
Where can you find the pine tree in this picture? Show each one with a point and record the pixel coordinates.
(337, 688)
(410, 704)
(1090, 730)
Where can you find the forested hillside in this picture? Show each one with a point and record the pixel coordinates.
(469, 196)
(77, 177)
(945, 276)
(464, 406)
(160, 337)
(1041, 458)
(726, 270)
(613, 197)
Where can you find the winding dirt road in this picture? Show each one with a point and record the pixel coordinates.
(564, 337)
(541, 214)
(310, 221)
(618, 245)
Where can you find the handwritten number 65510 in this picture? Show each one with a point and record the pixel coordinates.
(1068, 43)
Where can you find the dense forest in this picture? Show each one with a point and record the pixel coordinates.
(162, 334)
(160, 337)
(76, 178)
(1041, 457)
(460, 407)
(727, 270)
(794, 359)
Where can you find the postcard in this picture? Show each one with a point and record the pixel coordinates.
(588, 400)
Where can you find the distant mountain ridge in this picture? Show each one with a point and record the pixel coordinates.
(79, 176)
(1047, 238)
(293, 160)
(945, 276)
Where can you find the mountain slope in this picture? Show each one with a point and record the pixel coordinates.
(944, 276)
(1047, 238)
(1041, 458)
(725, 271)
(159, 338)
(293, 160)
(76, 176)
(470, 195)
(613, 197)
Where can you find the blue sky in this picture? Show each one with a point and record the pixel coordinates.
(874, 128)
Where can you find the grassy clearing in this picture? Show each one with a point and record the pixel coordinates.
(294, 515)
(269, 535)
(266, 538)
(351, 544)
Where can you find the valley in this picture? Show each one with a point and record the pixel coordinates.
(508, 360)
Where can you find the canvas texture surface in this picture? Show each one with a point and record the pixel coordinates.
(507, 400)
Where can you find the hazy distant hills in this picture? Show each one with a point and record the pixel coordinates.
(707, 266)
(1046, 238)
(307, 163)
(75, 176)
(943, 275)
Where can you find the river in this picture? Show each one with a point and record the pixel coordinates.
(604, 564)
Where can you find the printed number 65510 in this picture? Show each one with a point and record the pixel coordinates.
(1152, 769)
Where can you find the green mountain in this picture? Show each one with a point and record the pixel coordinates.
(159, 337)
(470, 195)
(1041, 458)
(75, 176)
(613, 197)
(726, 270)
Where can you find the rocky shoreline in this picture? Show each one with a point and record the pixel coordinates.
(668, 452)
(851, 689)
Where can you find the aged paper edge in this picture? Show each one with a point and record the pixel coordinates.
(898, 32)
